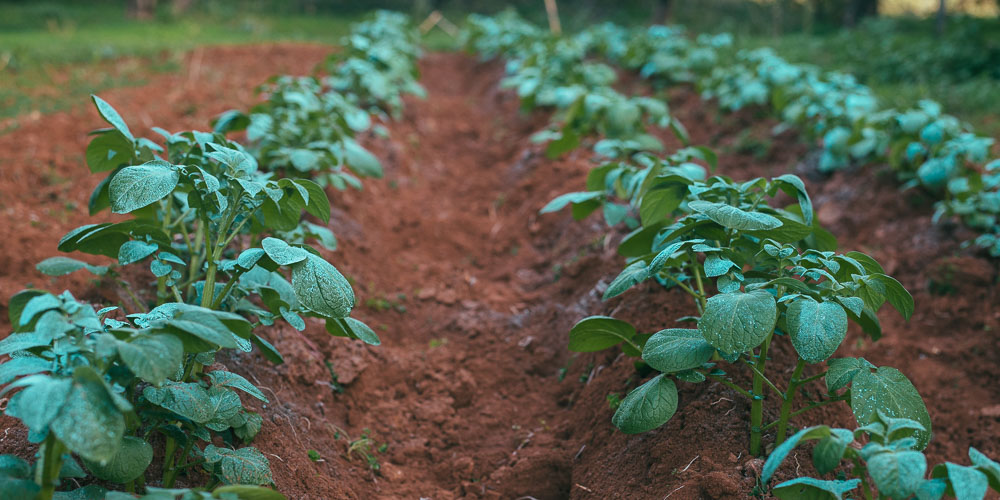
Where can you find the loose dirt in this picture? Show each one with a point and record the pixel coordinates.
(472, 393)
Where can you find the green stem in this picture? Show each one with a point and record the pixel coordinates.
(47, 473)
(730, 385)
(758, 373)
(128, 289)
(698, 298)
(802, 410)
(697, 278)
(170, 448)
(161, 282)
(175, 469)
(811, 378)
(757, 403)
(786, 406)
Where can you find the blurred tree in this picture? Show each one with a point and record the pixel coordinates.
(142, 10)
(661, 11)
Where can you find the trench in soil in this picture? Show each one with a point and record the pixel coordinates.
(473, 293)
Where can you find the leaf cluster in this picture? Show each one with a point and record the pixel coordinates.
(890, 463)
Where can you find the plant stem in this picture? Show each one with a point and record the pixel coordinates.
(786, 406)
(170, 449)
(802, 410)
(131, 294)
(811, 378)
(859, 471)
(698, 298)
(757, 402)
(47, 473)
(766, 380)
(161, 282)
(697, 278)
(730, 385)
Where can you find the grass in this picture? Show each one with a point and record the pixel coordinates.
(52, 55)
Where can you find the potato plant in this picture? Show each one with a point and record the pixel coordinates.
(889, 465)
(106, 389)
(377, 63)
(304, 130)
(775, 277)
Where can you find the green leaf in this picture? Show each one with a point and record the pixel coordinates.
(18, 489)
(188, 400)
(318, 203)
(830, 450)
(898, 474)
(842, 371)
(900, 299)
(781, 451)
(134, 251)
(138, 186)
(108, 151)
(37, 304)
(790, 231)
(14, 466)
(90, 423)
(807, 488)
(658, 204)
(567, 142)
(111, 116)
(361, 160)
(245, 492)
(965, 483)
(732, 217)
(794, 186)
(889, 391)
(676, 349)
(647, 407)
(987, 466)
(24, 405)
(128, 463)
(561, 201)
(153, 358)
(632, 275)
(17, 304)
(282, 253)
(597, 333)
(61, 266)
(717, 266)
(25, 365)
(737, 322)
(321, 288)
(229, 379)
(268, 350)
(243, 466)
(816, 328)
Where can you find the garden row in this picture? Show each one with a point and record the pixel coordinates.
(220, 228)
(777, 275)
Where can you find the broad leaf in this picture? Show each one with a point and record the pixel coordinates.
(732, 217)
(807, 488)
(889, 391)
(243, 466)
(897, 474)
(137, 186)
(90, 424)
(816, 328)
(647, 407)
(320, 287)
(597, 333)
(128, 463)
(152, 358)
(676, 349)
(737, 322)
(60, 266)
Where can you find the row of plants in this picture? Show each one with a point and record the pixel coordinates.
(926, 147)
(217, 231)
(777, 278)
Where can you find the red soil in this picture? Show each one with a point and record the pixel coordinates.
(473, 294)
